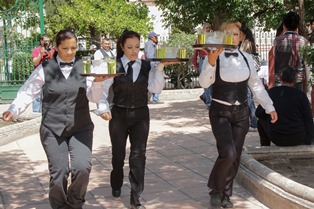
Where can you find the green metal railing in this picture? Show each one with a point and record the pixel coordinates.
(20, 28)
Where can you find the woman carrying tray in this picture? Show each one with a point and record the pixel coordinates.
(230, 72)
(129, 114)
(66, 130)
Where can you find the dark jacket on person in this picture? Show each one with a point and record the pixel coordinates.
(294, 113)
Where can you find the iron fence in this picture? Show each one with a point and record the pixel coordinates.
(19, 34)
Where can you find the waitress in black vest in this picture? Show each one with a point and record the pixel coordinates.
(66, 129)
(230, 73)
(129, 115)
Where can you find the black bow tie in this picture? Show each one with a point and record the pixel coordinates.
(64, 64)
(228, 54)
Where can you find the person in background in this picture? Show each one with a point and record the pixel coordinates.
(81, 47)
(105, 51)
(141, 54)
(295, 120)
(150, 53)
(43, 52)
(92, 50)
(287, 51)
(197, 61)
(248, 45)
(271, 60)
(311, 34)
(129, 113)
(230, 72)
(66, 130)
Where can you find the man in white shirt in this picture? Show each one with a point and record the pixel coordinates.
(105, 51)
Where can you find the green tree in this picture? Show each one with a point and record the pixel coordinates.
(92, 18)
(6, 4)
(185, 15)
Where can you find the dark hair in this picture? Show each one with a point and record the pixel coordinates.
(291, 21)
(104, 39)
(312, 21)
(279, 29)
(44, 36)
(63, 35)
(288, 74)
(249, 36)
(125, 35)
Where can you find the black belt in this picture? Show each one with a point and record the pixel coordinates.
(231, 105)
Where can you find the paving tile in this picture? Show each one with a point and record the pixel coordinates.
(180, 154)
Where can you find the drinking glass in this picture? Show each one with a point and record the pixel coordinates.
(228, 37)
(111, 66)
(86, 65)
(100, 66)
(182, 53)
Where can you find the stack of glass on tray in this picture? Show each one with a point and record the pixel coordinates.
(104, 66)
(215, 37)
(171, 52)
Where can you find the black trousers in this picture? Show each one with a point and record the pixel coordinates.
(266, 137)
(230, 125)
(70, 153)
(132, 123)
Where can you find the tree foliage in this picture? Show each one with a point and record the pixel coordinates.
(90, 18)
(185, 15)
(6, 4)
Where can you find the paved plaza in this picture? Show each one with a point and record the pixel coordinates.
(181, 152)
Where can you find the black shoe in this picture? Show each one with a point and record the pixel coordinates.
(226, 203)
(215, 199)
(116, 193)
(137, 206)
(135, 203)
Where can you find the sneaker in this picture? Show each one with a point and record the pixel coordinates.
(226, 203)
(215, 199)
(251, 129)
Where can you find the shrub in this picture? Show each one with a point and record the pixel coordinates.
(182, 76)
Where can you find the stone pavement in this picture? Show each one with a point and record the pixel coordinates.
(181, 152)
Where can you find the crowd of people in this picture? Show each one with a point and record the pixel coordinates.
(231, 85)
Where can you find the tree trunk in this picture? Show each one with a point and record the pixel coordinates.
(302, 26)
(95, 37)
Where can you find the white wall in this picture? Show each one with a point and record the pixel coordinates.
(155, 15)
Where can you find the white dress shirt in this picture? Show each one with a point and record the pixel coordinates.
(32, 88)
(235, 69)
(99, 55)
(156, 82)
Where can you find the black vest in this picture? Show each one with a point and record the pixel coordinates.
(65, 105)
(129, 94)
(228, 91)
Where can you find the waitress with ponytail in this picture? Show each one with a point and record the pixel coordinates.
(129, 115)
